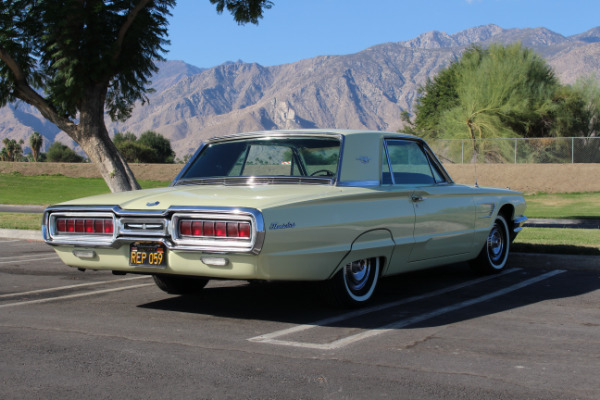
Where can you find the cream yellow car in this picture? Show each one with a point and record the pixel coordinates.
(343, 207)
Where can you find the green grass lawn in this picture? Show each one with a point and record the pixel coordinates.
(29, 221)
(563, 205)
(558, 241)
(46, 190)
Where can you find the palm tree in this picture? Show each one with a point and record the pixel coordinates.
(12, 149)
(35, 141)
(7, 150)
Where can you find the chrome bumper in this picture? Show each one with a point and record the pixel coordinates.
(518, 224)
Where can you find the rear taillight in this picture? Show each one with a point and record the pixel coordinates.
(84, 226)
(214, 229)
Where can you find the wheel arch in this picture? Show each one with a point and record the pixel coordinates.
(508, 212)
(375, 243)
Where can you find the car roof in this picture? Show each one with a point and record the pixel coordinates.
(310, 132)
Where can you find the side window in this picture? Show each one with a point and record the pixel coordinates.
(410, 165)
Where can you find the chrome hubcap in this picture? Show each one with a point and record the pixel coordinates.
(357, 274)
(496, 244)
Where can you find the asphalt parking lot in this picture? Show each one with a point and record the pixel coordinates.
(532, 332)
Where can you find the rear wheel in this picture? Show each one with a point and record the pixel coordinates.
(354, 285)
(179, 284)
(494, 255)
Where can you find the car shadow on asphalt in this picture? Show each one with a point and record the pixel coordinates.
(305, 303)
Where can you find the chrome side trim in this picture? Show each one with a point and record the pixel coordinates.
(124, 233)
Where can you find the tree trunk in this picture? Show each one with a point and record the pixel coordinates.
(113, 168)
(92, 135)
(475, 144)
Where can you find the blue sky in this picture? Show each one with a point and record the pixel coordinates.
(296, 29)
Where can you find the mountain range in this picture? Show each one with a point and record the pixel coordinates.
(368, 89)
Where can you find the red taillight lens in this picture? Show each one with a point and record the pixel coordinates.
(214, 229)
(84, 226)
(232, 229)
(185, 228)
(244, 229)
(209, 228)
(108, 226)
(220, 229)
(79, 225)
(197, 228)
(89, 226)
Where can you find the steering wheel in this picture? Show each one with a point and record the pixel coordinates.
(326, 172)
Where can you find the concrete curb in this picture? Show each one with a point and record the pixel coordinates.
(14, 208)
(563, 223)
(21, 234)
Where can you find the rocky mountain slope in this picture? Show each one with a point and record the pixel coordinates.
(368, 89)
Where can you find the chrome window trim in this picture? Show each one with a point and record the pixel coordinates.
(436, 163)
(432, 160)
(122, 236)
(389, 163)
(359, 183)
(263, 135)
(187, 166)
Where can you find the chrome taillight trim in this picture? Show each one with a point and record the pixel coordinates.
(125, 229)
(79, 238)
(215, 243)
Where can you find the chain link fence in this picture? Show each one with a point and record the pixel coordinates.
(565, 150)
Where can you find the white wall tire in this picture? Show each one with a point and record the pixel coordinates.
(494, 254)
(355, 284)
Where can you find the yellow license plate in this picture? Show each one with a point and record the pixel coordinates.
(142, 254)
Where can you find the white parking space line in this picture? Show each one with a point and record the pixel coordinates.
(54, 289)
(343, 317)
(271, 338)
(19, 259)
(74, 296)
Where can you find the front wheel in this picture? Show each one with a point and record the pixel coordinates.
(179, 284)
(494, 255)
(354, 285)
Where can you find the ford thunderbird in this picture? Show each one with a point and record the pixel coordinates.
(343, 207)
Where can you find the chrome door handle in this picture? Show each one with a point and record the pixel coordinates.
(417, 199)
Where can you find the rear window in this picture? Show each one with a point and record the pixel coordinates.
(276, 156)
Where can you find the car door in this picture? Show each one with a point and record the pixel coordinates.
(444, 213)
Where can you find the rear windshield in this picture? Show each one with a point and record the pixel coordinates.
(268, 157)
